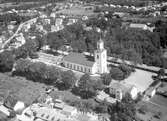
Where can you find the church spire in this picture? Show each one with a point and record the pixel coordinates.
(100, 44)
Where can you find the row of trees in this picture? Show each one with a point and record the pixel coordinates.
(40, 72)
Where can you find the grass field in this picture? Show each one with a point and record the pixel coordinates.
(23, 89)
(152, 109)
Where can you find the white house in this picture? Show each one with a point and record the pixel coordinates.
(71, 21)
(20, 40)
(55, 28)
(59, 21)
(138, 26)
(87, 64)
(142, 26)
(151, 92)
(119, 90)
(53, 15)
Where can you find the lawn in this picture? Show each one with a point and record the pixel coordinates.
(160, 100)
(23, 89)
(151, 111)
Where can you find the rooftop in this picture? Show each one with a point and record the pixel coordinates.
(80, 58)
(137, 25)
(121, 86)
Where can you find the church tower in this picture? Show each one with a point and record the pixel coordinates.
(101, 57)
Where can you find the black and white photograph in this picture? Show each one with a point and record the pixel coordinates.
(83, 60)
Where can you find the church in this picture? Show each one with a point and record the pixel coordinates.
(87, 64)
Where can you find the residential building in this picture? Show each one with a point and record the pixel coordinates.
(142, 26)
(120, 14)
(53, 15)
(58, 21)
(87, 64)
(56, 28)
(71, 21)
(138, 26)
(119, 90)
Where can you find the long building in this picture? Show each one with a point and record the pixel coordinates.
(86, 64)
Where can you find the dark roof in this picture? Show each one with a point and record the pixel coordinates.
(80, 58)
(10, 102)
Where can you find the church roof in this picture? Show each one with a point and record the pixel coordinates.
(80, 58)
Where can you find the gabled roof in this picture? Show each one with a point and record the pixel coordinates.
(136, 25)
(80, 58)
(10, 102)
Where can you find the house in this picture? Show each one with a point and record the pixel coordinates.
(2, 38)
(53, 15)
(48, 58)
(85, 18)
(20, 39)
(87, 64)
(102, 96)
(150, 92)
(39, 27)
(120, 14)
(10, 27)
(58, 21)
(43, 16)
(55, 28)
(138, 26)
(46, 21)
(156, 13)
(13, 104)
(26, 27)
(71, 21)
(69, 110)
(119, 90)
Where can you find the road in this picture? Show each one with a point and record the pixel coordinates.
(7, 41)
(15, 34)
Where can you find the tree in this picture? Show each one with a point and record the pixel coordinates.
(102, 107)
(68, 79)
(116, 73)
(126, 70)
(161, 73)
(106, 79)
(7, 60)
(37, 71)
(85, 86)
(122, 111)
